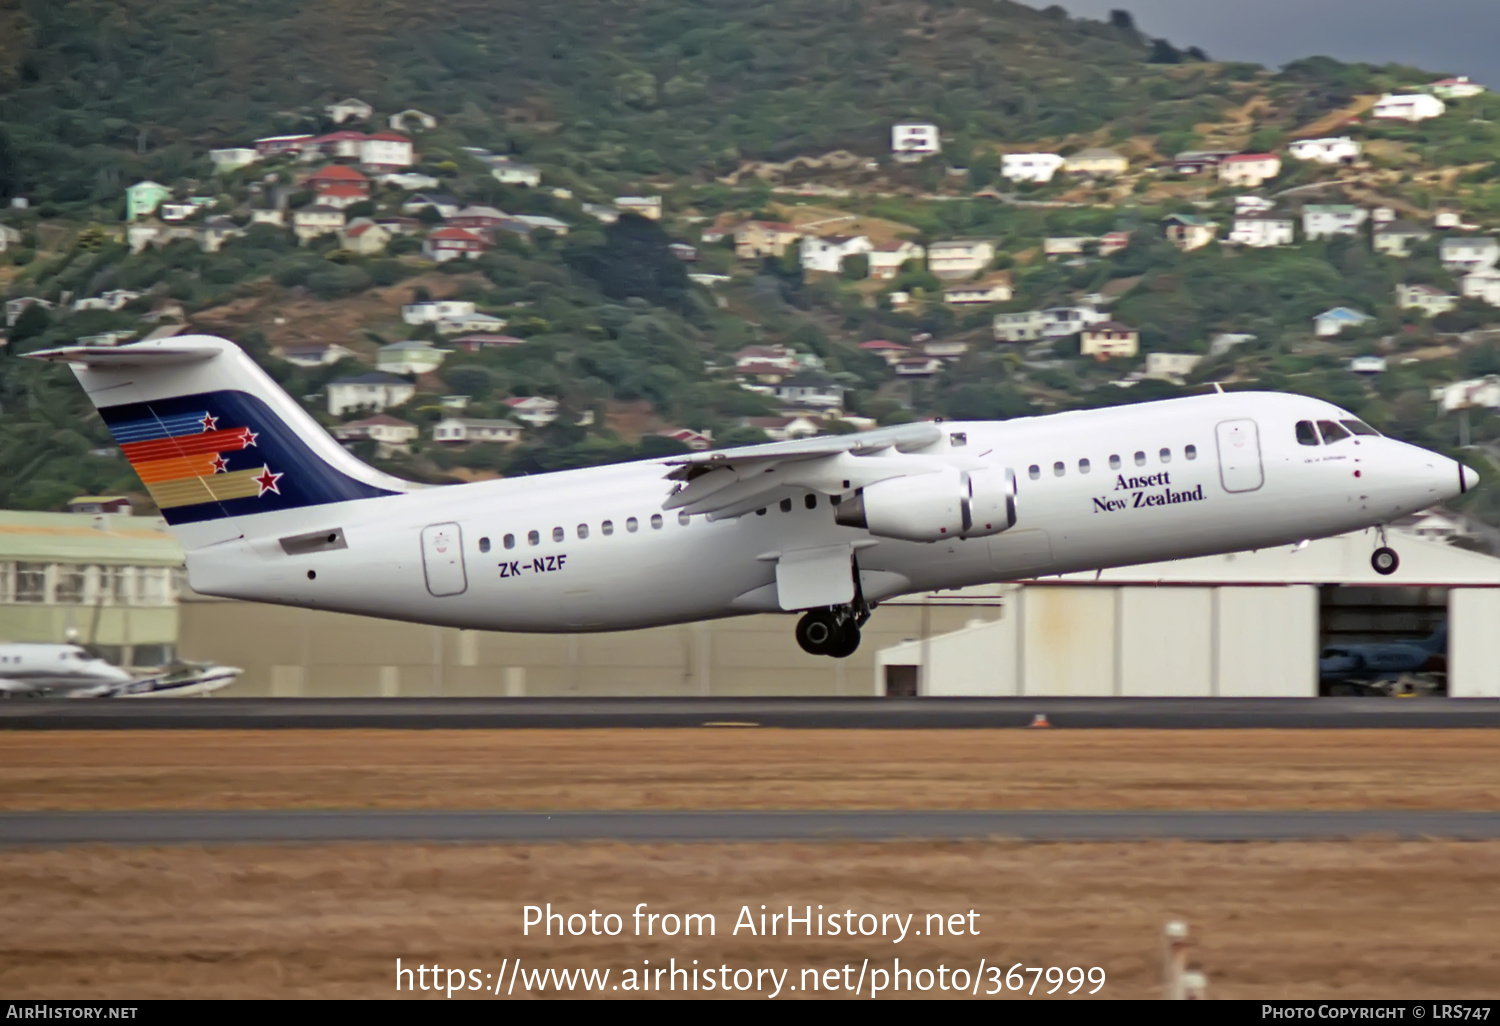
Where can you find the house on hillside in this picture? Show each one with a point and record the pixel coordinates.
(810, 388)
(1340, 150)
(9, 237)
(1459, 88)
(513, 172)
(1030, 167)
(411, 120)
(1468, 253)
(1197, 162)
(470, 323)
(1408, 107)
(1062, 321)
(1252, 204)
(14, 308)
(1483, 284)
(232, 158)
(446, 206)
(414, 357)
(1170, 366)
(1189, 231)
(142, 199)
(113, 300)
(697, 441)
(914, 140)
(216, 231)
(363, 236)
(325, 355)
(782, 429)
(408, 181)
(337, 175)
(1397, 238)
(648, 207)
(464, 430)
(1249, 170)
(890, 352)
(341, 196)
(351, 109)
(1324, 221)
(430, 311)
(602, 212)
(1332, 322)
(1096, 163)
(1474, 393)
(319, 219)
(920, 367)
(1431, 301)
(536, 410)
(479, 342)
(375, 391)
(995, 289)
(391, 435)
(887, 260)
(756, 239)
(386, 151)
(1263, 230)
(342, 145)
(1019, 327)
(551, 224)
(776, 356)
(1109, 339)
(478, 218)
(276, 145)
(452, 243)
(958, 259)
(827, 253)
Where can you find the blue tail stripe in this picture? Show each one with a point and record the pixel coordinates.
(152, 429)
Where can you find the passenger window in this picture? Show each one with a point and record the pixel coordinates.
(1166, 455)
(1306, 433)
(1359, 427)
(632, 524)
(958, 439)
(656, 521)
(1035, 472)
(1083, 466)
(810, 501)
(1190, 451)
(583, 531)
(761, 512)
(533, 538)
(1114, 462)
(608, 527)
(1140, 459)
(510, 541)
(683, 519)
(558, 534)
(786, 505)
(1059, 469)
(484, 545)
(1331, 432)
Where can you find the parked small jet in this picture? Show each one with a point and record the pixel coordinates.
(40, 670)
(269, 508)
(1364, 664)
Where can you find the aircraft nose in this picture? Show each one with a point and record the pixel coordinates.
(1467, 478)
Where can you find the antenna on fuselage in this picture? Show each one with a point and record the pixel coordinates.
(1218, 388)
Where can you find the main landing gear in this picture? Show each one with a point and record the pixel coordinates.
(1384, 559)
(834, 630)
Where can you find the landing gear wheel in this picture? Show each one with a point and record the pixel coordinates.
(845, 642)
(1385, 561)
(818, 632)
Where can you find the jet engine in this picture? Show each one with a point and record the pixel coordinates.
(949, 503)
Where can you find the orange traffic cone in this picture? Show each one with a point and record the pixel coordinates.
(1040, 720)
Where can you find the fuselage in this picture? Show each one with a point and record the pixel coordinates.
(594, 549)
(35, 668)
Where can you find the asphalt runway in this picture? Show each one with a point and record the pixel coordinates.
(822, 713)
(262, 827)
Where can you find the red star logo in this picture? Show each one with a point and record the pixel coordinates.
(250, 437)
(220, 464)
(209, 422)
(267, 481)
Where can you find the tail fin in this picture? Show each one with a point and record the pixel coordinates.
(211, 435)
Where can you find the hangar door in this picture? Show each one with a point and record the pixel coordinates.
(1239, 456)
(443, 559)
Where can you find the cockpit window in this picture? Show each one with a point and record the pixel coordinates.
(1306, 433)
(1359, 427)
(1331, 432)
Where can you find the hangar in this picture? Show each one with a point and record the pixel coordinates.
(1247, 624)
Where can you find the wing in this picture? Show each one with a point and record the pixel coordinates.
(732, 482)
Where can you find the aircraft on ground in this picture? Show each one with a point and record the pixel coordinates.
(269, 508)
(1363, 665)
(42, 670)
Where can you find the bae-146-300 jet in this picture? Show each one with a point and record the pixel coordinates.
(269, 508)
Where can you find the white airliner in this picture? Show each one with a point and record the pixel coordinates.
(38, 669)
(271, 509)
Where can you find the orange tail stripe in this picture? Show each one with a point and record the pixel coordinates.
(232, 440)
(172, 470)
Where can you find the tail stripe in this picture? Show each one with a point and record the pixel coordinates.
(143, 430)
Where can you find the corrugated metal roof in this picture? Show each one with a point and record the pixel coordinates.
(86, 538)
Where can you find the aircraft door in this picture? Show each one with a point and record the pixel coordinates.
(1239, 456)
(443, 559)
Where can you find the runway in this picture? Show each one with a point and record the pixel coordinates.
(806, 713)
(261, 827)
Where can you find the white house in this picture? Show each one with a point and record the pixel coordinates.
(648, 207)
(1171, 366)
(1109, 339)
(1408, 107)
(113, 300)
(1062, 321)
(452, 243)
(981, 293)
(1190, 231)
(536, 410)
(1249, 170)
(386, 150)
(352, 108)
(16, 307)
(810, 388)
(1331, 322)
(1030, 167)
(1259, 230)
(364, 236)
(1459, 88)
(913, 140)
(1483, 284)
(313, 356)
(414, 357)
(1324, 221)
(8, 237)
(1396, 238)
(408, 180)
(375, 391)
(1429, 300)
(960, 258)
(510, 172)
(430, 311)
(391, 434)
(1252, 204)
(232, 158)
(411, 120)
(827, 253)
(886, 261)
(781, 429)
(603, 212)
(1019, 327)
(1468, 253)
(462, 430)
(1476, 392)
(471, 322)
(446, 206)
(310, 222)
(1340, 150)
(918, 367)
(552, 224)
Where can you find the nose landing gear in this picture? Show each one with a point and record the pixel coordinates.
(1384, 560)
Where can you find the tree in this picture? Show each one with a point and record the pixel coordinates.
(1163, 52)
(1122, 20)
(10, 170)
(633, 261)
(33, 321)
(855, 266)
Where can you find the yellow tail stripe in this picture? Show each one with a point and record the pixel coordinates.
(216, 488)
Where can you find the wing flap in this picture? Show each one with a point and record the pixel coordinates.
(125, 356)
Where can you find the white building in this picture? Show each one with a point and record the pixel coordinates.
(1408, 107)
(386, 150)
(1425, 298)
(1468, 253)
(1476, 392)
(408, 180)
(1341, 150)
(430, 311)
(1062, 321)
(1483, 284)
(648, 207)
(1019, 327)
(233, 158)
(463, 430)
(350, 109)
(1171, 366)
(411, 120)
(1251, 204)
(374, 391)
(510, 172)
(1332, 322)
(1030, 167)
(391, 434)
(886, 261)
(1259, 230)
(913, 140)
(536, 410)
(1459, 88)
(960, 258)
(827, 253)
(310, 222)
(1324, 221)
(471, 322)
(980, 293)
(414, 357)
(315, 355)
(113, 300)
(1249, 170)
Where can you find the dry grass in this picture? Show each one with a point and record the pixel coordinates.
(752, 768)
(1293, 920)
